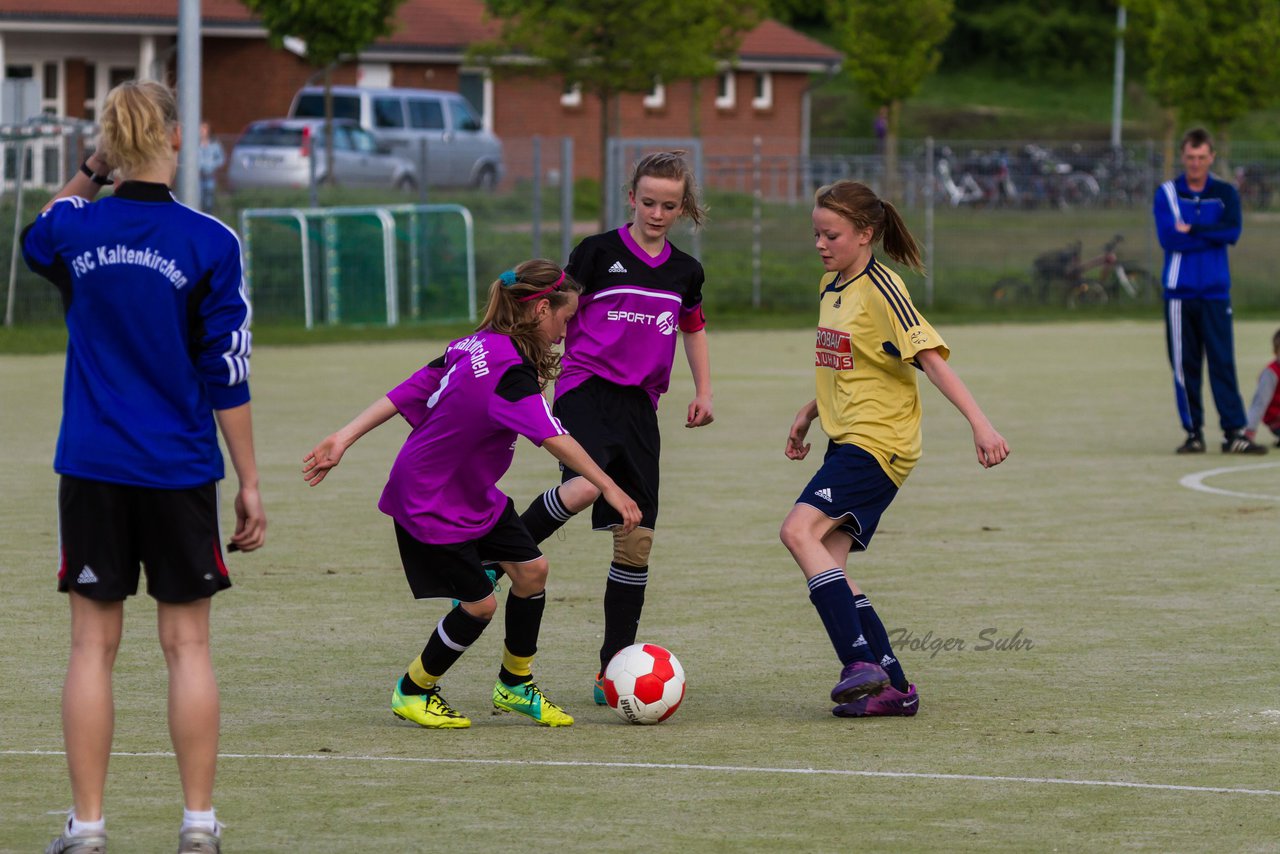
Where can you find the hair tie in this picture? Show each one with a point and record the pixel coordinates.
(508, 278)
(544, 291)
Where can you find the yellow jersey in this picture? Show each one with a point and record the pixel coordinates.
(868, 335)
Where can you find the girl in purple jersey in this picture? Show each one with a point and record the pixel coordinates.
(466, 410)
(638, 289)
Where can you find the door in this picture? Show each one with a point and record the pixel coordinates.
(427, 121)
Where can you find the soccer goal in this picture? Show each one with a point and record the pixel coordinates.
(378, 264)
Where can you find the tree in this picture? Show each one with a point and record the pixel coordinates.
(330, 29)
(611, 48)
(891, 48)
(1210, 61)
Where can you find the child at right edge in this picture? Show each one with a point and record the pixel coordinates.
(1265, 408)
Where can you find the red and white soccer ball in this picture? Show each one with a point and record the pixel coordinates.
(644, 684)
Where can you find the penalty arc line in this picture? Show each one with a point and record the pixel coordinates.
(1196, 481)
(678, 766)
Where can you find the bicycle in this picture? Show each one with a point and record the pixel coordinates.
(1063, 270)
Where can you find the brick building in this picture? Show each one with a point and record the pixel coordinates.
(73, 51)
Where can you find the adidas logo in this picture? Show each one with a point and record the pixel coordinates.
(617, 267)
(836, 304)
(824, 494)
(887, 660)
(87, 576)
(861, 641)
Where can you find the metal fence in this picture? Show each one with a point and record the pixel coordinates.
(985, 210)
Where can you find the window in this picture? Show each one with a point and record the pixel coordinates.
(764, 91)
(362, 141)
(90, 91)
(463, 119)
(426, 114)
(312, 107)
(341, 138)
(571, 95)
(116, 76)
(477, 88)
(726, 93)
(51, 81)
(388, 113)
(657, 97)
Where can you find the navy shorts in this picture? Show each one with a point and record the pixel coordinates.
(851, 484)
(107, 529)
(618, 428)
(456, 570)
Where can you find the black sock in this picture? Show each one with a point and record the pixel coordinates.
(545, 515)
(456, 631)
(878, 638)
(623, 602)
(524, 620)
(830, 594)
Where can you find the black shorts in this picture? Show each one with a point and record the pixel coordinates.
(851, 485)
(618, 427)
(106, 529)
(456, 570)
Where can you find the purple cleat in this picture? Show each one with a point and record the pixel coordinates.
(859, 679)
(888, 703)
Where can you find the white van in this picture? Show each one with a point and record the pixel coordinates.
(460, 152)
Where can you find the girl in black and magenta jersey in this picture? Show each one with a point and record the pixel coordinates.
(638, 289)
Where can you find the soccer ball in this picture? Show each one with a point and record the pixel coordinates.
(644, 684)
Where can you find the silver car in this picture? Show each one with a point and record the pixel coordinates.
(278, 153)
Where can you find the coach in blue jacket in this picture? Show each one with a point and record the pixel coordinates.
(1197, 218)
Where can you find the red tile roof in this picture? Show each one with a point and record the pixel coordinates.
(420, 23)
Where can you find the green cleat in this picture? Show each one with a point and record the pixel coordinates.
(597, 691)
(527, 699)
(427, 710)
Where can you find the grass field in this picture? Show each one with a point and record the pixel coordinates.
(1138, 710)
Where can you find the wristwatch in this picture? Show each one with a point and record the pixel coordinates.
(100, 180)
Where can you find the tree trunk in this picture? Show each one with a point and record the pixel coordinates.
(892, 184)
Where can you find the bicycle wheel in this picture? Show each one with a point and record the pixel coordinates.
(1010, 290)
(1086, 293)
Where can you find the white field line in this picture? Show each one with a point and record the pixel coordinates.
(1197, 481)
(665, 766)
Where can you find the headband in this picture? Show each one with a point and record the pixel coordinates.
(541, 293)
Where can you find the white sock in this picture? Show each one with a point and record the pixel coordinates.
(197, 820)
(76, 827)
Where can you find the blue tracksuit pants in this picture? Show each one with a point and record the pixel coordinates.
(1196, 329)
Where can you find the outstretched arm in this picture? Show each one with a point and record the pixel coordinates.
(328, 453)
(566, 449)
(236, 425)
(695, 350)
(990, 445)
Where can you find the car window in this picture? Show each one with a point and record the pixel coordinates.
(363, 141)
(271, 136)
(341, 138)
(311, 106)
(463, 118)
(388, 113)
(426, 114)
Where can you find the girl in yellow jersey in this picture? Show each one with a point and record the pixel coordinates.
(870, 341)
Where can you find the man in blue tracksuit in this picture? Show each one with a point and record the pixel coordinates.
(1197, 218)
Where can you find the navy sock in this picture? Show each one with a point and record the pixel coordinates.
(623, 602)
(878, 638)
(546, 515)
(830, 594)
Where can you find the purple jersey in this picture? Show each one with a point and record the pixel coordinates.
(631, 305)
(467, 409)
